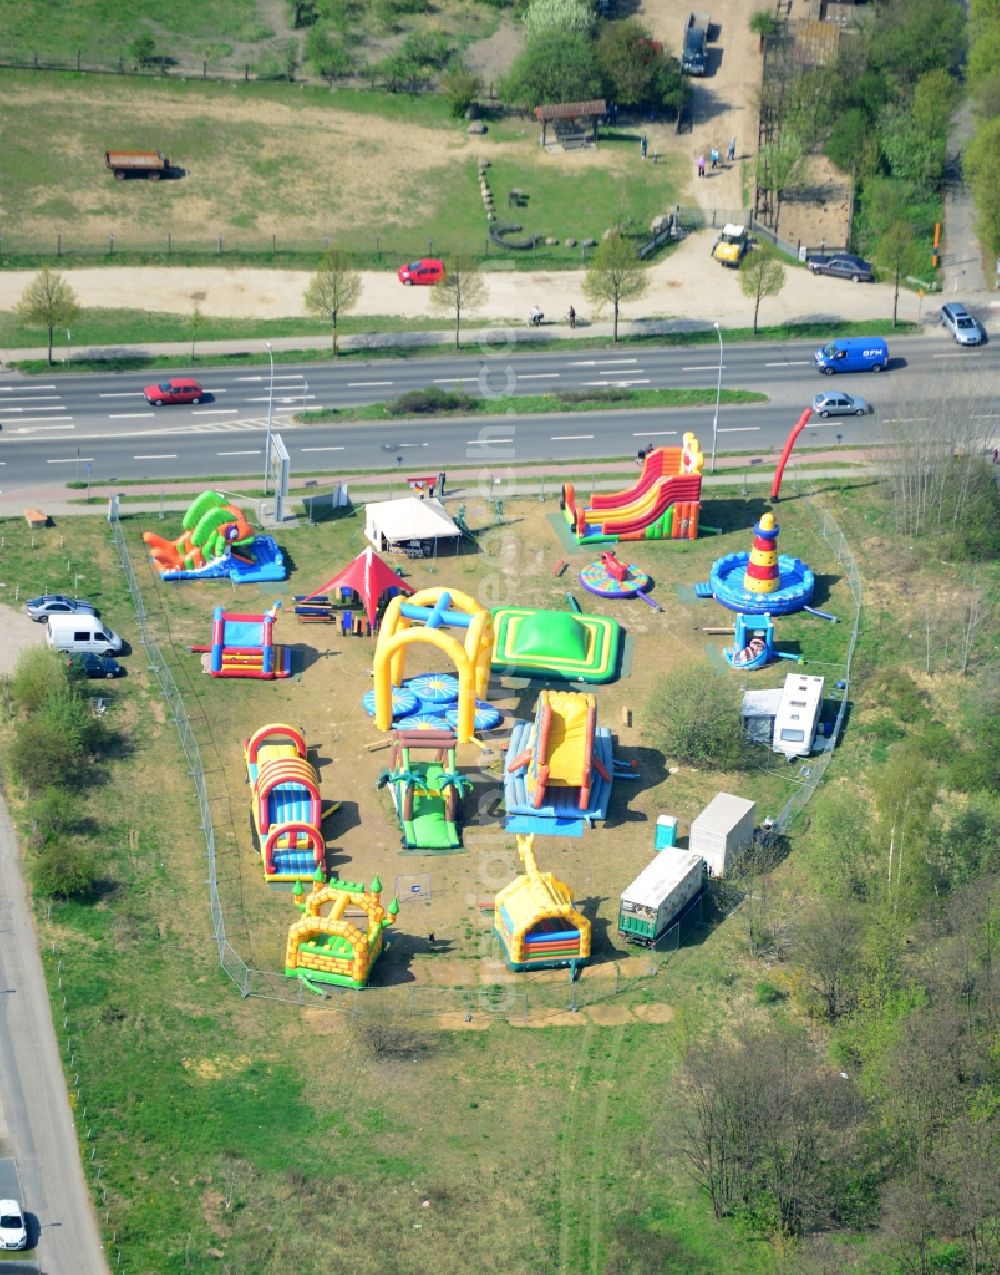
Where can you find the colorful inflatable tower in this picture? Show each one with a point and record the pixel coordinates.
(762, 575)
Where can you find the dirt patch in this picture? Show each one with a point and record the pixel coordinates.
(19, 634)
(493, 57)
(820, 212)
(654, 1013)
(613, 1015)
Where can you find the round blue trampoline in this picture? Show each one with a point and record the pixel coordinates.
(404, 702)
(487, 716)
(434, 688)
(424, 721)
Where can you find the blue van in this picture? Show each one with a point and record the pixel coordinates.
(853, 354)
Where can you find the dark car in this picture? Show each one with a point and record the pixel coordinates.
(180, 389)
(91, 665)
(842, 266)
(41, 608)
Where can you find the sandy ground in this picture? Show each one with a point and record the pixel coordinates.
(19, 633)
(677, 289)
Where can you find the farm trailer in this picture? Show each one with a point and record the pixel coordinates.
(659, 894)
(150, 164)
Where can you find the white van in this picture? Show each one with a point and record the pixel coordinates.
(78, 634)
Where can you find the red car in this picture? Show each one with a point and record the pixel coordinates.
(181, 389)
(428, 271)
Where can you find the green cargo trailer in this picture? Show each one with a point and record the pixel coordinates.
(659, 894)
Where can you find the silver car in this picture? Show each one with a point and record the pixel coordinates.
(960, 323)
(834, 403)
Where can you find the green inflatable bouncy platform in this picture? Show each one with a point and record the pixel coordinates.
(555, 644)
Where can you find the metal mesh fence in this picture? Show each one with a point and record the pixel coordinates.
(501, 998)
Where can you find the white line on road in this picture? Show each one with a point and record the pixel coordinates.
(655, 433)
(39, 407)
(707, 367)
(129, 416)
(740, 429)
(12, 389)
(320, 449)
(617, 371)
(785, 363)
(413, 444)
(986, 416)
(157, 456)
(72, 460)
(215, 411)
(360, 385)
(568, 438)
(31, 398)
(601, 363)
(255, 451)
(486, 442)
(298, 398)
(42, 422)
(539, 376)
(121, 394)
(451, 380)
(617, 385)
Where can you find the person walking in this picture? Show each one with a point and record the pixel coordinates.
(715, 158)
(731, 151)
(701, 165)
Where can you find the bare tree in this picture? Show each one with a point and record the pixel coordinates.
(48, 302)
(761, 275)
(462, 291)
(333, 289)
(826, 943)
(616, 275)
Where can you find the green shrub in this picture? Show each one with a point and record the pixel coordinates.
(38, 675)
(328, 56)
(431, 401)
(65, 871)
(427, 48)
(50, 748)
(461, 87)
(697, 719)
(765, 993)
(55, 815)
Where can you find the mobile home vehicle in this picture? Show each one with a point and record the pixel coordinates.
(798, 715)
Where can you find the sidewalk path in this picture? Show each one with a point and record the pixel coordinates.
(40, 1125)
(962, 259)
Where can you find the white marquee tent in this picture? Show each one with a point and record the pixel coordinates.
(409, 524)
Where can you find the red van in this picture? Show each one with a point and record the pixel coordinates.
(428, 271)
(181, 389)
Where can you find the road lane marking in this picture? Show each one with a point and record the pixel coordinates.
(43, 422)
(360, 385)
(320, 449)
(740, 429)
(215, 411)
(40, 407)
(157, 456)
(30, 398)
(790, 363)
(617, 385)
(72, 460)
(285, 398)
(568, 438)
(538, 376)
(707, 367)
(255, 451)
(413, 444)
(601, 363)
(452, 380)
(617, 371)
(121, 394)
(129, 416)
(655, 433)
(486, 442)
(13, 389)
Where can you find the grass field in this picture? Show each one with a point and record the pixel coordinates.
(381, 175)
(258, 1135)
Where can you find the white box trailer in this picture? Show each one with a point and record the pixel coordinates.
(723, 831)
(658, 895)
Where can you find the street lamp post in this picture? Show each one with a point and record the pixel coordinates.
(69, 346)
(718, 399)
(270, 410)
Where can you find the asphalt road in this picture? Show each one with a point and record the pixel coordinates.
(100, 426)
(39, 1123)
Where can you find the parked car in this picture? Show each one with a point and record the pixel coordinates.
(91, 665)
(180, 389)
(41, 608)
(842, 266)
(13, 1230)
(834, 403)
(426, 271)
(960, 323)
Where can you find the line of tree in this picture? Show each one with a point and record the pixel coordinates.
(982, 159)
(54, 752)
